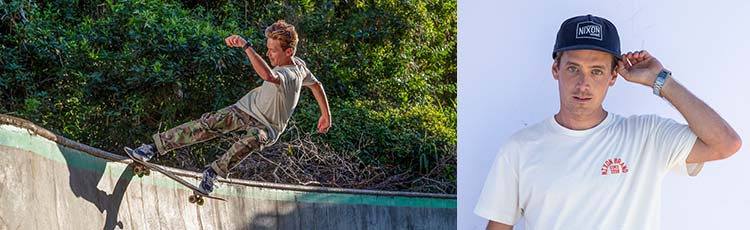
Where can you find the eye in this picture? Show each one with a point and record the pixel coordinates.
(572, 69)
(597, 72)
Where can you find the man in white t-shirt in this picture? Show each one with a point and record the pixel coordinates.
(586, 168)
(262, 113)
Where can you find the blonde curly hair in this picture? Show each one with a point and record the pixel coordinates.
(284, 32)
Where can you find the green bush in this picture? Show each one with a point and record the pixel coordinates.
(110, 73)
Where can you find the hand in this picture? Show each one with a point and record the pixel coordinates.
(235, 41)
(324, 123)
(639, 67)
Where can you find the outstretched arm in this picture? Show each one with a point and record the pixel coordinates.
(324, 123)
(716, 139)
(259, 65)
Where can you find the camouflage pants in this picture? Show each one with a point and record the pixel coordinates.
(214, 124)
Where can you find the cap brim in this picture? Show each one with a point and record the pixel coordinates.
(587, 47)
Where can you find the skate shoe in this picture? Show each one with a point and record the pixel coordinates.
(207, 183)
(144, 152)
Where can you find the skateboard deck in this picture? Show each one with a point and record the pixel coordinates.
(142, 168)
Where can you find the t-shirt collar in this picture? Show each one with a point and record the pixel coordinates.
(556, 127)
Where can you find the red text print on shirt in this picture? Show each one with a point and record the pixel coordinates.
(614, 166)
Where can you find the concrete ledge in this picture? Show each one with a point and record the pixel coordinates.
(48, 181)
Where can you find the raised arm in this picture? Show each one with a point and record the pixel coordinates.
(716, 139)
(259, 65)
(324, 123)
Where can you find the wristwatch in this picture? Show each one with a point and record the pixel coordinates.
(247, 45)
(660, 79)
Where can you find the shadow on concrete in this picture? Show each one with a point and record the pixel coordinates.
(282, 216)
(313, 215)
(84, 183)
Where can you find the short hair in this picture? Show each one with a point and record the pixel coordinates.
(284, 32)
(558, 56)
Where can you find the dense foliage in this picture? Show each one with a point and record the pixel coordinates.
(110, 73)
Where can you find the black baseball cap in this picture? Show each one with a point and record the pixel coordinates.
(588, 32)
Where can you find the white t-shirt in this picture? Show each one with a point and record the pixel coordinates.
(273, 104)
(606, 177)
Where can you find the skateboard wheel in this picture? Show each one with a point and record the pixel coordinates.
(192, 199)
(147, 172)
(137, 170)
(200, 201)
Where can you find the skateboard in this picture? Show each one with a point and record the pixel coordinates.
(142, 168)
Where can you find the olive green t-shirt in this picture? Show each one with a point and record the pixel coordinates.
(273, 104)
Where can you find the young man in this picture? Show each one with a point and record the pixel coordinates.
(262, 113)
(586, 168)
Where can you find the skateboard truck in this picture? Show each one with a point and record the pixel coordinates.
(141, 170)
(196, 198)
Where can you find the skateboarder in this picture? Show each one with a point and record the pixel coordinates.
(262, 113)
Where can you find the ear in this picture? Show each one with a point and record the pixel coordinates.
(614, 77)
(555, 70)
(289, 52)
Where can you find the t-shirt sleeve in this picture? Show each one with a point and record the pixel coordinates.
(309, 78)
(286, 79)
(499, 200)
(281, 75)
(675, 140)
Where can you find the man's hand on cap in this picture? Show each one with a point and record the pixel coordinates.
(639, 67)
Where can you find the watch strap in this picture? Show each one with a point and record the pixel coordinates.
(659, 82)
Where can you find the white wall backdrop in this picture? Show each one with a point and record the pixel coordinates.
(505, 83)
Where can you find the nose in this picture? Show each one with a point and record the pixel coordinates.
(583, 80)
